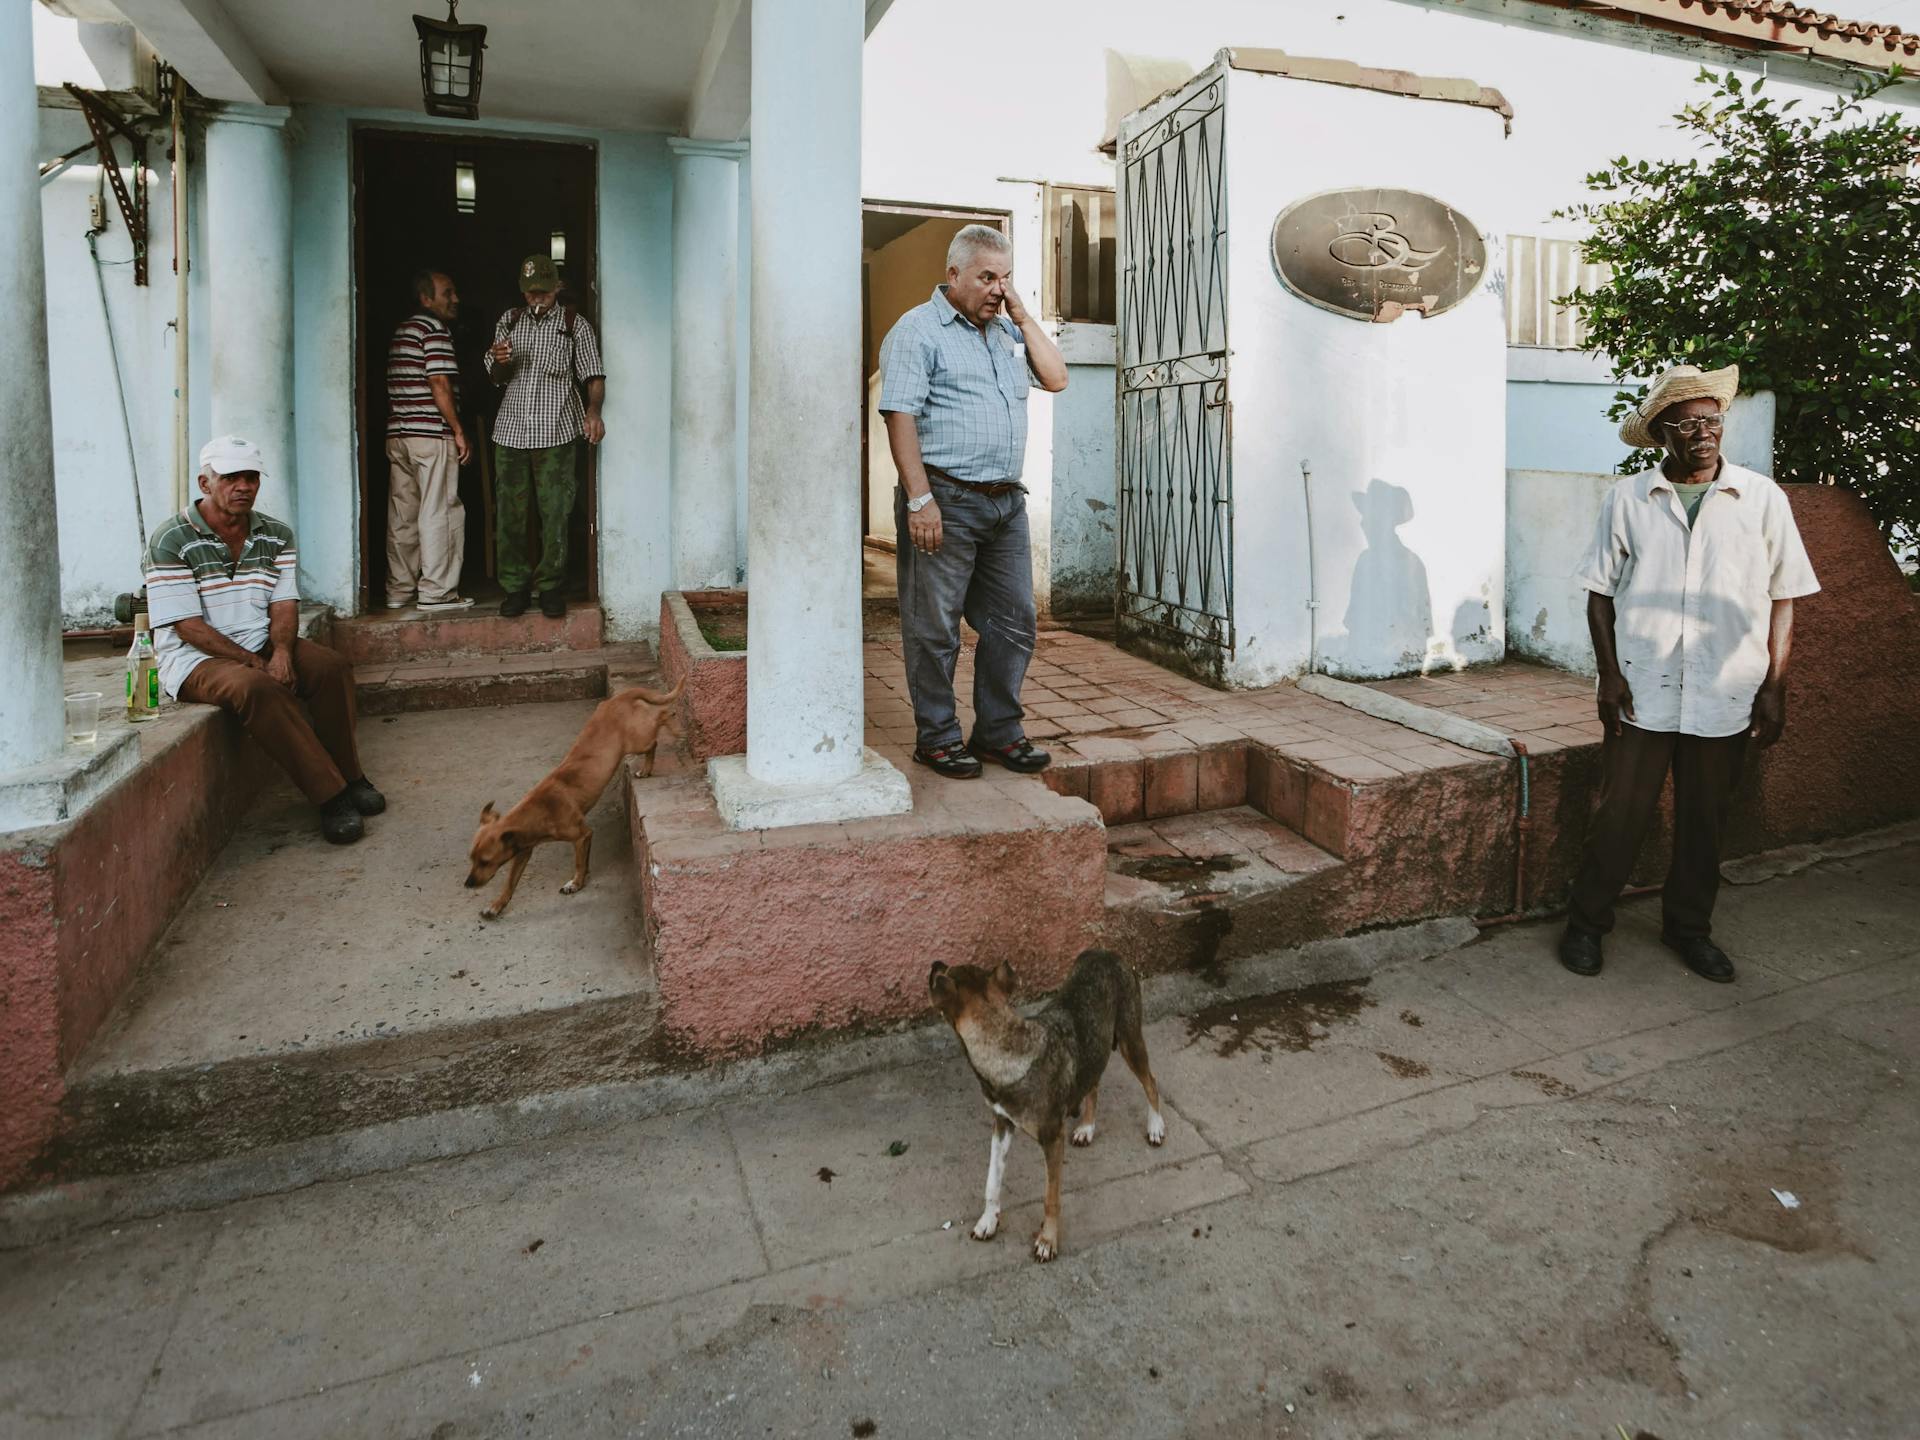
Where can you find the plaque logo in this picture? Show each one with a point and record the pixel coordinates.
(1374, 254)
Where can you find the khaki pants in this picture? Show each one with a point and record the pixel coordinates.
(426, 523)
(318, 755)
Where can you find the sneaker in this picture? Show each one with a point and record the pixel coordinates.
(406, 604)
(1021, 756)
(952, 761)
(339, 821)
(553, 605)
(452, 602)
(514, 604)
(366, 799)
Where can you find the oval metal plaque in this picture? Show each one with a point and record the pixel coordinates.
(1374, 254)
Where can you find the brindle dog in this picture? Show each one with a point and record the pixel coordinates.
(1038, 1073)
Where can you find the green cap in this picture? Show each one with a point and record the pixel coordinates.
(538, 272)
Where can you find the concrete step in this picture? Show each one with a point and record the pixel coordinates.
(307, 989)
(397, 636)
(464, 682)
(1193, 891)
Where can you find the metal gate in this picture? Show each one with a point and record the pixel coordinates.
(1175, 463)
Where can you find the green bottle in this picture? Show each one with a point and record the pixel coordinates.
(143, 674)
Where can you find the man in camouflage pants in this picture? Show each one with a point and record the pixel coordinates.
(543, 353)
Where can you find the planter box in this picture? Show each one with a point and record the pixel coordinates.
(713, 708)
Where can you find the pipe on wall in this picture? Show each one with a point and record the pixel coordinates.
(182, 484)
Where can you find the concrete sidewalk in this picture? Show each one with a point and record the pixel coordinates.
(1464, 1196)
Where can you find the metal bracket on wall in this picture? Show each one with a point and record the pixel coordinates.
(103, 121)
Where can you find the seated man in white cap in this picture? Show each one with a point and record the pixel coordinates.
(224, 605)
(1692, 577)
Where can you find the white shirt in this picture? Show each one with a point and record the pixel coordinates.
(1692, 607)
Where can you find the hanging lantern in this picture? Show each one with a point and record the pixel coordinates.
(450, 64)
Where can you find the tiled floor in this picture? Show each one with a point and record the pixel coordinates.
(1088, 700)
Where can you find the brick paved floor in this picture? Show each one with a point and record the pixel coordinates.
(1090, 701)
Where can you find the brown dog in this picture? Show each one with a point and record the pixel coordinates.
(1039, 1073)
(556, 809)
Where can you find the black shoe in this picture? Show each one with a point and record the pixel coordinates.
(1580, 951)
(514, 604)
(553, 604)
(952, 761)
(339, 821)
(366, 799)
(1703, 957)
(1019, 756)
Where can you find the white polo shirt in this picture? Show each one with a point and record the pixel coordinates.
(1692, 607)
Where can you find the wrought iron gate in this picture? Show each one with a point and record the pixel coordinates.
(1176, 433)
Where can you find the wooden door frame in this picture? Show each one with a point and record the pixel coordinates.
(365, 363)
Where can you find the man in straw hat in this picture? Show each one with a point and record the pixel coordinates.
(1692, 576)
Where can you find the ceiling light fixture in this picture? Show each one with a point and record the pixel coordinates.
(450, 64)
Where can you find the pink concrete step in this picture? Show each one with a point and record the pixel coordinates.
(463, 682)
(1192, 891)
(396, 636)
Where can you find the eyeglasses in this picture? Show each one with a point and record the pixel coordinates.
(1706, 425)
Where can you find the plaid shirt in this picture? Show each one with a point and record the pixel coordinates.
(966, 389)
(541, 406)
(191, 574)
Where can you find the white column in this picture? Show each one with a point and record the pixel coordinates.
(248, 247)
(706, 282)
(32, 724)
(805, 758)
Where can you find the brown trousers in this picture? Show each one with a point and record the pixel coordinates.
(1634, 766)
(319, 755)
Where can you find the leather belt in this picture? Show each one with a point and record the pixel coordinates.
(993, 487)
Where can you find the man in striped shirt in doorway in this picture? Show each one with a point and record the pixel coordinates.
(426, 446)
(225, 607)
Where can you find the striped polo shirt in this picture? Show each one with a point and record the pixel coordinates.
(421, 347)
(191, 574)
(965, 387)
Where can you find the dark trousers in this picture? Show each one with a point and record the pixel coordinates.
(983, 571)
(318, 754)
(542, 480)
(1634, 765)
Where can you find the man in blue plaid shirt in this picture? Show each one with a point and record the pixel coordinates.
(955, 373)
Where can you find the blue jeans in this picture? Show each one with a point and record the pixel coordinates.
(984, 572)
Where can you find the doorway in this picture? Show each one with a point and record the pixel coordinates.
(903, 249)
(473, 207)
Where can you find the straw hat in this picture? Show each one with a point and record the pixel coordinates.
(1682, 382)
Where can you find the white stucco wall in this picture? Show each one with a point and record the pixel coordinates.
(99, 539)
(1403, 424)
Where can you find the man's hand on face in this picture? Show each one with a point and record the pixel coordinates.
(1011, 303)
(1769, 715)
(280, 667)
(923, 527)
(1616, 700)
(595, 429)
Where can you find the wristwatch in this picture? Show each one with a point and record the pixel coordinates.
(918, 503)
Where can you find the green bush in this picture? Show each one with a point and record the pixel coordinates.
(1789, 246)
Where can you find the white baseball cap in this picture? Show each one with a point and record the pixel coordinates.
(230, 453)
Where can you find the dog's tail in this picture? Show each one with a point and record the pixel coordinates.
(655, 697)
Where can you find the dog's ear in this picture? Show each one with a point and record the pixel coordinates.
(1003, 977)
(513, 840)
(486, 812)
(939, 982)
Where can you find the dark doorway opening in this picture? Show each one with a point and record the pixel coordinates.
(473, 207)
